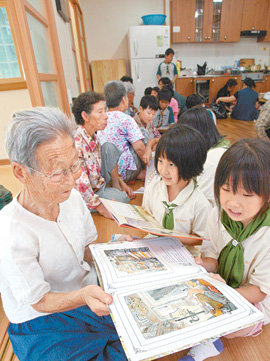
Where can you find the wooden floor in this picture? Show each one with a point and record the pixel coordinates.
(244, 349)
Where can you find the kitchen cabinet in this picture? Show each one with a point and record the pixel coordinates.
(185, 86)
(183, 21)
(260, 86)
(206, 20)
(254, 16)
(267, 83)
(267, 37)
(231, 15)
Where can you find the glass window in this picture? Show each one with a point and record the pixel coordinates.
(49, 92)
(9, 66)
(199, 20)
(217, 8)
(40, 41)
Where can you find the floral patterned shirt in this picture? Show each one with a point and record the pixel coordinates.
(123, 131)
(90, 180)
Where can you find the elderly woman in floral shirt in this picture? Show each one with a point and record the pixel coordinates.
(100, 164)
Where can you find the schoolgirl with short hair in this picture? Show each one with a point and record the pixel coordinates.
(172, 196)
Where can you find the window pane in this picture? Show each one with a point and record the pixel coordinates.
(9, 66)
(49, 91)
(40, 41)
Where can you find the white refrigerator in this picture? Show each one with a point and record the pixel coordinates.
(147, 45)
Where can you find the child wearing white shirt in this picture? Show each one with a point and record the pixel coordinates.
(172, 196)
(237, 247)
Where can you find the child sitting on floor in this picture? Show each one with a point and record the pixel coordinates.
(172, 196)
(238, 233)
(164, 116)
(144, 118)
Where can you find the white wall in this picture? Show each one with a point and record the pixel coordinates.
(220, 54)
(106, 24)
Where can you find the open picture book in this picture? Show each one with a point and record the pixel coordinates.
(163, 302)
(129, 215)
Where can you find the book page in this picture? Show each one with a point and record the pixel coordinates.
(168, 316)
(137, 217)
(126, 263)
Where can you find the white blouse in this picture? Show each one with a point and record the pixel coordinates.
(207, 177)
(256, 255)
(190, 215)
(39, 256)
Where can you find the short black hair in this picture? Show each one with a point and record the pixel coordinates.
(114, 92)
(200, 119)
(126, 78)
(147, 91)
(149, 101)
(84, 102)
(193, 100)
(250, 83)
(165, 81)
(169, 51)
(165, 94)
(231, 83)
(186, 148)
(156, 89)
(246, 163)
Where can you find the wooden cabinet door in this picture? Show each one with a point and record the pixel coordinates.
(231, 20)
(207, 21)
(267, 83)
(185, 86)
(260, 86)
(216, 83)
(267, 38)
(254, 14)
(183, 21)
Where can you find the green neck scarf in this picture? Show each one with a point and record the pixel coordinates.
(223, 143)
(168, 221)
(231, 258)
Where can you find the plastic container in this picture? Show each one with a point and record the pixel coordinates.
(154, 19)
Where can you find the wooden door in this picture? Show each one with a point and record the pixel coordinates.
(267, 37)
(183, 21)
(254, 14)
(207, 20)
(231, 20)
(267, 82)
(216, 83)
(260, 86)
(185, 86)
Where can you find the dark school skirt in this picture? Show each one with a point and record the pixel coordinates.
(77, 335)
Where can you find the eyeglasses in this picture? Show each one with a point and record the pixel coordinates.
(59, 175)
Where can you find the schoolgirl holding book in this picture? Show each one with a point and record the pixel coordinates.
(237, 246)
(172, 195)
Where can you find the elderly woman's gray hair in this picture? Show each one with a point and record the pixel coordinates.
(129, 87)
(114, 92)
(30, 128)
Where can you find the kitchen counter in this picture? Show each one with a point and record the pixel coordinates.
(207, 76)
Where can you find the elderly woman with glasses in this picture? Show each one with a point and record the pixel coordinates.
(47, 282)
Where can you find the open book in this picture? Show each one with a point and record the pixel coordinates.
(129, 215)
(162, 301)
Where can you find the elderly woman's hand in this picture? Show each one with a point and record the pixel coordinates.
(97, 299)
